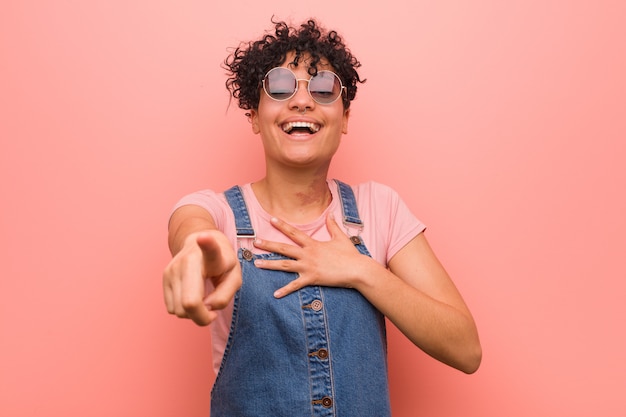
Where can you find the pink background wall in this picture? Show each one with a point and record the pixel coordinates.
(502, 124)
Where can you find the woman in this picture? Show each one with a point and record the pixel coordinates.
(300, 269)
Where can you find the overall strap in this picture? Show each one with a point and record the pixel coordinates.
(351, 216)
(234, 197)
(348, 205)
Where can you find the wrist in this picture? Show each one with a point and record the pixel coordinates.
(366, 274)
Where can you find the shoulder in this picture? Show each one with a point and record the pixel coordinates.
(373, 186)
(384, 204)
(390, 224)
(378, 201)
(375, 192)
(212, 201)
(202, 198)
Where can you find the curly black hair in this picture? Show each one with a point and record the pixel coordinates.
(249, 62)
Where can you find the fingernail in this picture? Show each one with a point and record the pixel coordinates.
(277, 294)
(258, 242)
(274, 220)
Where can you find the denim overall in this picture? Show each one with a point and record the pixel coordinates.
(320, 351)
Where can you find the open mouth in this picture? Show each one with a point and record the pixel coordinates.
(300, 127)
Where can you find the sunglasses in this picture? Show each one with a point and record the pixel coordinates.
(281, 84)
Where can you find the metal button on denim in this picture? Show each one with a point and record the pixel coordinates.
(317, 305)
(327, 402)
(322, 353)
(247, 254)
(356, 240)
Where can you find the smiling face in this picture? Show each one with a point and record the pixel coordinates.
(298, 131)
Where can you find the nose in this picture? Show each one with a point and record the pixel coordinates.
(302, 100)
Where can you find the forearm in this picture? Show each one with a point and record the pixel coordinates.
(443, 331)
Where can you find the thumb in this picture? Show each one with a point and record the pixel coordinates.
(224, 289)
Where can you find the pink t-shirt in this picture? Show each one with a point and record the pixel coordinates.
(388, 225)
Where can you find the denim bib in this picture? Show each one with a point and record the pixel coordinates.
(320, 351)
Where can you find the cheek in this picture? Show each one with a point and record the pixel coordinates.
(267, 112)
(264, 115)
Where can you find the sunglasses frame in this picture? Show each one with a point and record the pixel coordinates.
(341, 90)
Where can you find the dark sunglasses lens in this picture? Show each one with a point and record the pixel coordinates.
(280, 84)
(325, 87)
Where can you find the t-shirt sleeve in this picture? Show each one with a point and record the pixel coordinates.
(404, 226)
(394, 225)
(213, 202)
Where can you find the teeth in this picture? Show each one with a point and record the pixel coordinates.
(288, 127)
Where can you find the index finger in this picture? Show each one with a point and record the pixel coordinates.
(192, 286)
(192, 298)
(211, 251)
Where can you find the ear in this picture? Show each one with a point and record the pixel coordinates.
(344, 124)
(254, 121)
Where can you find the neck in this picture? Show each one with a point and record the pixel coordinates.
(295, 198)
